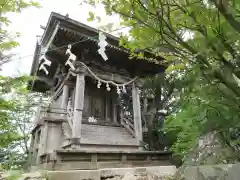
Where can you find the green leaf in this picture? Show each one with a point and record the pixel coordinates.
(91, 16)
(175, 67)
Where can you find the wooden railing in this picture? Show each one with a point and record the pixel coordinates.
(46, 112)
(128, 124)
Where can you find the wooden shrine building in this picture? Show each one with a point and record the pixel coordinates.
(85, 126)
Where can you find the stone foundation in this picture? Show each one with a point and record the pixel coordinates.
(222, 171)
(139, 173)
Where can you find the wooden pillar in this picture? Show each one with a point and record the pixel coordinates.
(114, 106)
(65, 96)
(106, 108)
(64, 104)
(31, 150)
(34, 149)
(42, 146)
(36, 146)
(121, 115)
(78, 108)
(115, 113)
(137, 113)
(44, 137)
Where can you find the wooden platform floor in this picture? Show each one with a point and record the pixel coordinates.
(78, 159)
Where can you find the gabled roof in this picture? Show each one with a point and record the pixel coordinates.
(61, 31)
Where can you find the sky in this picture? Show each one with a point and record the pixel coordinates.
(28, 24)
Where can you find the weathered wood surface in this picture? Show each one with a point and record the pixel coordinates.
(129, 126)
(65, 96)
(78, 159)
(106, 135)
(78, 105)
(137, 113)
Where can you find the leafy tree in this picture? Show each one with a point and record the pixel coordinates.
(205, 108)
(190, 32)
(21, 119)
(7, 42)
(158, 98)
(158, 101)
(8, 132)
(201, 40)
(9, 86)
(231, 14)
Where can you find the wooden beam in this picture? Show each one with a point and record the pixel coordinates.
(109, 76)
(45, 45)
(46, 80)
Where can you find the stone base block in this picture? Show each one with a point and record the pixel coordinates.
(137, 173)
(74, 175)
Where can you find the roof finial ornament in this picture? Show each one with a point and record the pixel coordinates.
(67, 16)
(72, 57)
(45, 63)
(102, 44)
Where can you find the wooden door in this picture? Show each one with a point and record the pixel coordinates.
(87, 106)
(97, 105)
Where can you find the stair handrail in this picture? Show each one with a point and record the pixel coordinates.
(43, 111)
(128, 125)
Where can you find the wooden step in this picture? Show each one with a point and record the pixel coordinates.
(106, 135)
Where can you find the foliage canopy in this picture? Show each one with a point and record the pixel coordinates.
(200, 42)
(10, 87)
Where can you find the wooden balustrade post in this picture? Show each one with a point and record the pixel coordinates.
(137, 113)
(78, 108)
(65, 96)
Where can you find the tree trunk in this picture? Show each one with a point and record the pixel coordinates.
(150, 121)
(229, 83)
(222, 6)
(150, 134)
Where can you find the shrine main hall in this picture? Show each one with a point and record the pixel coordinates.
(94, 119)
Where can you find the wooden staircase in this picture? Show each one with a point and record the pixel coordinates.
(99, 137)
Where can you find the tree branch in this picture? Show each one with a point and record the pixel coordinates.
(204, 33)
(226, 14)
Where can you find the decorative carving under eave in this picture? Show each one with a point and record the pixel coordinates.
(72, 57)
(59, 77)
